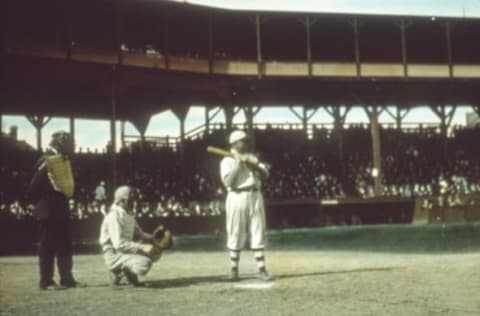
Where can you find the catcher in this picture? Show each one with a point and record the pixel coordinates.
(242, 175)
(127, 250)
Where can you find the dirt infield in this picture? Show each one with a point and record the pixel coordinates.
(307, 283)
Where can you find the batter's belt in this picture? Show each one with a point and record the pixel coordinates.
(240, 190)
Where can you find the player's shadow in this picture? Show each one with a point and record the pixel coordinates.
(190, 281)
(185, 282)
(319, 273)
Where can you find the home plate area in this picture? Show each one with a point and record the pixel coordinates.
(259, 285)
(306, 283)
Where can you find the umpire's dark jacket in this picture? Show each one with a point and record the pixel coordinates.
(49, 203)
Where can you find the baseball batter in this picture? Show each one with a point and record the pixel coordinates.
(242, 174)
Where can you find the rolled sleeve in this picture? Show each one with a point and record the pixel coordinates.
(264, 169)
(141, 235)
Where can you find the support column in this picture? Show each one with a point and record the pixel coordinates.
(250, 112)
(398, 116)
(207, 120)
(305, 117)
(119, 32)
(122, 134)
(258, 21)
(356, 39)
(339, 118)
(210, 43)
(69, 36)
(403, 39)
(72, 128)
(373, 114)
(166, 37)
(141, 123)
(308, 26)
(229, 113)
(209, 117)
(39, 122)
(181, 112)
(445, 123)
(448, 36)
(113, 130)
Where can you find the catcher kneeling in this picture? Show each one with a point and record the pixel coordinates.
(127, 250)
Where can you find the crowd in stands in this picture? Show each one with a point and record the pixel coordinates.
(418, 163)
(151, 50)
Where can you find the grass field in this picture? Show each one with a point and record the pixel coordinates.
(308, 282)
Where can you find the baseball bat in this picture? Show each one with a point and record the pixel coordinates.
(224, 153)
(219, 151)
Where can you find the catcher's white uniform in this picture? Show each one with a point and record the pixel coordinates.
(245, 212)
(118, 232)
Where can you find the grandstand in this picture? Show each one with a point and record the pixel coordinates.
(136, 58)
(356, 188)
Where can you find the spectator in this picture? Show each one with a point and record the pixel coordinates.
(101, 197)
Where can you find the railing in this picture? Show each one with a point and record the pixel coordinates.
(250, 68)
(154, 141)
(200, 131)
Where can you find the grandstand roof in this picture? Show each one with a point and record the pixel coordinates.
(430, 8)
(58, 59)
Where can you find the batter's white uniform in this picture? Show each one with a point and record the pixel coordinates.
(245, 211)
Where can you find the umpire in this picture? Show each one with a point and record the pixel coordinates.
(48, 196)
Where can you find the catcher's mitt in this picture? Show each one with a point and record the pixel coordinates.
(162, 237)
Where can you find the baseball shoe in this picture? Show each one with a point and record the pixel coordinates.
(132, 278)
(115, 278)
(264, 276)
(72, 284)
(51, 287)
(234, 275)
